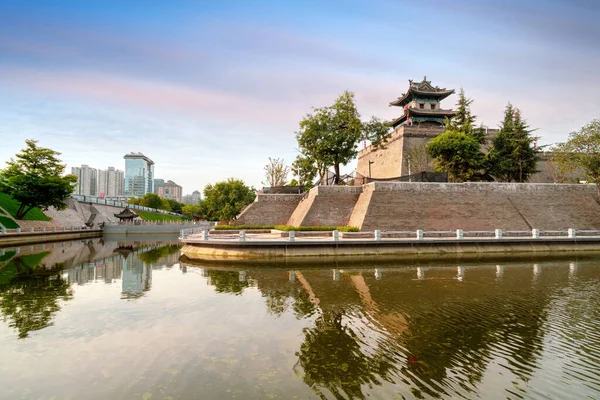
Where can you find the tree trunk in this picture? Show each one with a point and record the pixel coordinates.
(336, 166)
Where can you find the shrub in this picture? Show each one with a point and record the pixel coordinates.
(242, 227)
(317, 228)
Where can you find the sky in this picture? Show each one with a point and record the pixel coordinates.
(211, 89)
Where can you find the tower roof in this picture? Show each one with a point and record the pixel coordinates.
(423, 88)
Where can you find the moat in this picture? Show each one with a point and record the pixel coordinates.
(130, 319)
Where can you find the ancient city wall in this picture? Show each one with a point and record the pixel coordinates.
(405, 206)
(326, 205)
(269, 209)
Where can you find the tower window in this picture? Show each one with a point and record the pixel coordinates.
(421, 105)
(433, 106)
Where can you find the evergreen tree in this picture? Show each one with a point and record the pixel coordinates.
(512, 157)
(464, 121)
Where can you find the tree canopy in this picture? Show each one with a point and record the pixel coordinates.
(224, 200)
(512, 157)
(581, 151)
(458, 154)
(35, 179)
(329, 135)
(276, 172)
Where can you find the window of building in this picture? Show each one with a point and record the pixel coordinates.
(433, 106)
(421, 105)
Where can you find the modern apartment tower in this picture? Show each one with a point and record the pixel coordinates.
(169, 190)
(111, 183)
(87, 180)
(139, 175)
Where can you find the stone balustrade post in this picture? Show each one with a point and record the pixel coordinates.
(18, 230)
(31, 229)
(377, 234)
(205, 235)
(571, 233)
(498, 233)
(419, 234)
(3, 229)
(44, 229)
(292, 236)
(535, 233)
(460, 234)
(242, 236)
(336, 235)
(53, 229)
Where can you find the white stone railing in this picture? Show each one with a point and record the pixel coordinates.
(418, 235)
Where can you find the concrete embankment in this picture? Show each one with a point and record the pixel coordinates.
(281, 250)
(9, 239)
(166, 228)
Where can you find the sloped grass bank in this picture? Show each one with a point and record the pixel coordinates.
(150, 216)
(8, 223)
(11, 206)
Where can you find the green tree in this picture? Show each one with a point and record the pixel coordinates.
(276, 172)
(512, 156)
(190, 210)
(304, 168)
(224, 200)
(329, 136)
(135, 201)
(151, 200)
(464, 121)
(458, 154)
(175, 206)
(35, 179)
(581, 151)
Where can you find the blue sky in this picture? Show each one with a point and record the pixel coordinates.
(212, 89)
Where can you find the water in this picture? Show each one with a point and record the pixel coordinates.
(128, 320)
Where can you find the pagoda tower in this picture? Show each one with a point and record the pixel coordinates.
(421, 105)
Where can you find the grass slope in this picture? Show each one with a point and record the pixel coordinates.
(150, 216)
(8, 223)
(12, 207)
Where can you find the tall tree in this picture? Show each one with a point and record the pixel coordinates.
(35, 179)
(464, 121)
(581, 151)
(458, 154)
(329, 135)
(224, 200)
(304, 168)
(512, 157)
(276, 172)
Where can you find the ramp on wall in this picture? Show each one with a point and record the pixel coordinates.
(326, 206)
(269, 209)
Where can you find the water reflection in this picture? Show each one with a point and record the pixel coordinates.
(516, 330)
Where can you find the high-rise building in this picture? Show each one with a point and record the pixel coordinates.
(111, 182)
(139, 175)
(87, 180)
(156, 183)
(193, 198)
(170, 190)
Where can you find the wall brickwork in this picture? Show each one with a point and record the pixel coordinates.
(326, 205)
(269, 209)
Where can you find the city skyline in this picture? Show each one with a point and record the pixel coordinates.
(208, 100)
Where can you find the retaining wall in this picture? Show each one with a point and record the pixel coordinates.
(269, 209)
(326, 205)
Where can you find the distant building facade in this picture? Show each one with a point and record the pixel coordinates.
(156, 183)
(193, 198)
(139, 175)
(170, 190)
(111, 183)
(87, 180)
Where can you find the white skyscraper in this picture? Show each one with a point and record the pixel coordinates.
(111, 182)
(87, 180)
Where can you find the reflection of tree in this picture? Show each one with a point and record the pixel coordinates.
(31, 298)
(282, 295)
(227, 281)
(332, 358)
(154, 255)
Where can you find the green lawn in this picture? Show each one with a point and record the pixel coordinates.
(150, 216)
(12, 206)
(8, 223)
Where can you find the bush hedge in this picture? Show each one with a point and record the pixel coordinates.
(317, 228)
(241, 227)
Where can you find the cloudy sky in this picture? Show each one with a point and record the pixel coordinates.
(212, 89)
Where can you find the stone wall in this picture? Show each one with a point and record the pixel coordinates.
(476, 206)
(269, 209)
(326, 205)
